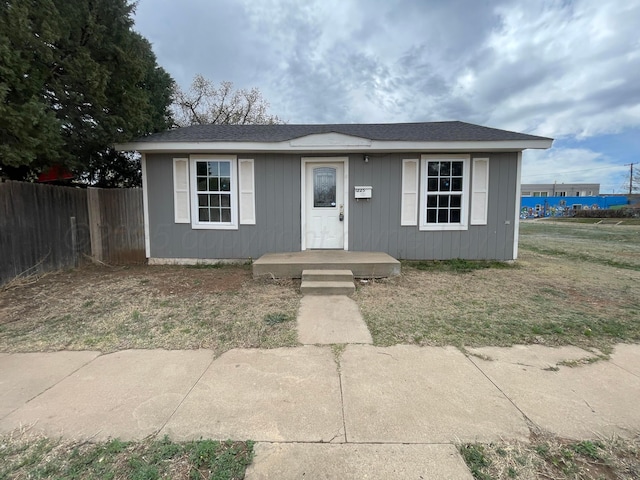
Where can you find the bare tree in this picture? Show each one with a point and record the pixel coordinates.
(206, 103)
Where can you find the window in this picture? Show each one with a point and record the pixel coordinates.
(444, 191)
(561, 194)
(214, 191)
(324, 187)
(539, 194)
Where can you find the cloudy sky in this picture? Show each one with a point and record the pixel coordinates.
(567, 69)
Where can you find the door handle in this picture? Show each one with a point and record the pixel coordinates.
(341, 216)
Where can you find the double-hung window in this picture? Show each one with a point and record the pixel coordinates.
(444, 192)
(214, 191)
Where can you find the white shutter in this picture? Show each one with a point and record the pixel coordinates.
(409, 204)
(480, 191)
(247, 192)
(181, 190)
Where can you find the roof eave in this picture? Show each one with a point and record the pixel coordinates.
(372, 146)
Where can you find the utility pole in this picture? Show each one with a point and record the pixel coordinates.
(630, 175)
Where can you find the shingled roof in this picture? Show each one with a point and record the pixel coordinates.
(453, 131)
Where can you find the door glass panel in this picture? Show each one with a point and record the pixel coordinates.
(324, 187)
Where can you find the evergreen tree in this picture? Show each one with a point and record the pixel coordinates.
(75, 79)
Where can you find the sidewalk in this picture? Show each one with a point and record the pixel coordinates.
(385, 412)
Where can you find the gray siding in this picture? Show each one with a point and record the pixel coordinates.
(277, 228)
(374, 225)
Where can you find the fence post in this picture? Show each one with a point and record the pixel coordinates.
(95, 223)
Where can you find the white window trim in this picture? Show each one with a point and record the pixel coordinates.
(195, 222)
(464, 212)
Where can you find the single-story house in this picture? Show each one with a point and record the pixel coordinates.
(435, 190)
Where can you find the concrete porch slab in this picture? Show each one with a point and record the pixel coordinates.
(324, 320)
(284, 394)
(284, 461)
(410, 394)
(24, 376)
(291, 265)
(574, 402)
(128, 394)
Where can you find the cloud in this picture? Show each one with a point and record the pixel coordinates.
(574, 165)
(566, 69)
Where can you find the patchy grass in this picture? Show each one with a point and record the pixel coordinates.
(23, 456)
(546, 456)
(573, 284)
(605, 221)
(456, 265)
(171, 307)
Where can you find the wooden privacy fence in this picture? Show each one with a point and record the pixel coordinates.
(45, 228)
(116, 224)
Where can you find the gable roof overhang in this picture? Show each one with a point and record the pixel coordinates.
(356, 138)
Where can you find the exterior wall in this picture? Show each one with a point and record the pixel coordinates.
(374, 225)
(277, 228)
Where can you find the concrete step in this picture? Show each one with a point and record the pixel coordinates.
(328, 275)
(291, 265)
(320, 287)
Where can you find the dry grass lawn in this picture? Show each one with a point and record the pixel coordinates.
(573, 284)
(171, 307)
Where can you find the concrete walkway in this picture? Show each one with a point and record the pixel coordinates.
(331, 319)
(371, 412)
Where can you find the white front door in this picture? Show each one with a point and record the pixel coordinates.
(324, 205)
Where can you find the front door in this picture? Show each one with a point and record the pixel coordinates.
(324, 205)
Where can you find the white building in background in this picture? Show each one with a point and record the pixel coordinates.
(560, 189)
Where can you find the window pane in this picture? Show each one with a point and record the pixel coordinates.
(225, 169)
(213, 184)
(434, 168)
(202, 184)
(203, 201)
(443, 216)
(456, 184)
(201, 168)
(455, 215)
(214, 200)
(213, 169)
(432, 201)
(456, 169)
(432, 185)
(431, 216)
(203, 214)
(455, 200)
(445, 168)
(445, 184)
(225, 184)
(324, 187)
(443, 201)
(226, 214)
(215, 214)
(225, 201)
